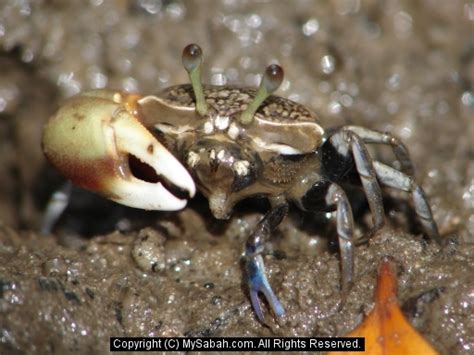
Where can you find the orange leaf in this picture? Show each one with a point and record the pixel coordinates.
(385, 329)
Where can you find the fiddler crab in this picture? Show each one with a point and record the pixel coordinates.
(151, 152)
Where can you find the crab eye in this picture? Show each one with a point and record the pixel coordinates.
(192, 57)
(273, 77)
(271, 81)
(192, 60)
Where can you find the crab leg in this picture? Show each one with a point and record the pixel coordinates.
(375, 137)
(391, 177)
(55, 207)
(345, 230)
(257, 279)
(346, 143)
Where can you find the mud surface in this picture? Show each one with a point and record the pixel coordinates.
(401, 66)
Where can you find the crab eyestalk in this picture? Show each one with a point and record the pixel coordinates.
(192, 60)
(93, 140)
(271, 81)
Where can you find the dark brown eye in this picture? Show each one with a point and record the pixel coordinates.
(192, 57)
(192, 60)
(271, 80)
(273, 77)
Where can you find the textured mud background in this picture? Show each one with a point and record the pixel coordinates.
(402, 66)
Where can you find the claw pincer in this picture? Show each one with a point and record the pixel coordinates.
(93, 137)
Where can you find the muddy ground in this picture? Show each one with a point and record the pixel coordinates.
(401, 66)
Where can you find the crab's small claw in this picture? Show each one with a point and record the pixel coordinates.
(258, 282)
(93, 140)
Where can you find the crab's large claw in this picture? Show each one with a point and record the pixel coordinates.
(96, 137)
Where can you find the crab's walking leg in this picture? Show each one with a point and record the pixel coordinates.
(344, 142)
(54, 209)
(324, 195)
(257, 280)
(393, 178)
(370, 136)
(345, 228)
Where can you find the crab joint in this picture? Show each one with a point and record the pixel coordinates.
(271, 81)
(96, 140)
